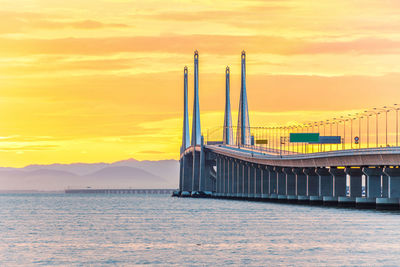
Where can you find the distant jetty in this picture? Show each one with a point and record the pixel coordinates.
(118, 191)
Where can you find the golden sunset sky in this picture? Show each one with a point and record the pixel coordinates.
(102, 80)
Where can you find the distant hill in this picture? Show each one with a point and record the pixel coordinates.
(122, 174)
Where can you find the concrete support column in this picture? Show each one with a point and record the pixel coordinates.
(196, 171)
(181, 174)
(240, 179)
(281, 179)
(393, 185)
(245, 180)
(339, 182)
(208, 181)
(313, 185)
(301, 185)
(221, 176)
(355, 181)
(385, 180)
(265, 182)
(258, 176)
(211, 175)
(229, 177)
(355, 188)
(187, 173)
(326, 187)
(325, 182)
(372, 187)
(290, 184)
(226, 180)
(273, 183)
(202, 166)
(252, 181)
(217, 168)
(234, 178)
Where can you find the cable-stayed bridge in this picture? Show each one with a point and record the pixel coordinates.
(344, 161)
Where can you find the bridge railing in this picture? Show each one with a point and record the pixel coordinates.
(276, 140)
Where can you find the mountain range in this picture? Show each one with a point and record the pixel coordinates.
(129, 173)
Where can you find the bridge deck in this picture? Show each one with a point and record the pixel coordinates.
(354, 157)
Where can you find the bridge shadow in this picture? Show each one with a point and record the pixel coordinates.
(320, 206)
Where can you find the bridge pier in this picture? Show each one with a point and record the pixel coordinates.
(273, 183)
(385, 186)
(181, 174)
(339, 184)
(313, 186)
(372, 187)
(258, 178)
(240, 179)
(187, 174)
(301, 185)
(226, 178)
(209, 185)
(290, 185)
(252, 181)
(220, 173)
(234, 181)
(223, 181)
(246, 180)
(236, 178)
(265, 182)
(326, 187)
(393, 189)
(233, 185)
(196, 171)
(355, 189)
(230, 177)
(202, 168)
(281, 184)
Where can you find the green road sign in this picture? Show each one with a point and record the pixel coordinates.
(304, 137)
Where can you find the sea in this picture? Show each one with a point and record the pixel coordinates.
(126, 230)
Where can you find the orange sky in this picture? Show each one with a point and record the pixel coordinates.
(90, 81)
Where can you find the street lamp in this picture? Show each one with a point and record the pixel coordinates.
(367, 116)
(342, 119)
(397, 120)
(359, 130)
(351, 128)
(376, 114)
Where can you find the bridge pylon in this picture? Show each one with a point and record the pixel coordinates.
(196, 129)
(243, 127)
(228, 135)
(185, 131)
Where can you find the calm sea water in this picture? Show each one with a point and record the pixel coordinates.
(100, 230)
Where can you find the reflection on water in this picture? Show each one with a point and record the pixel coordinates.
(58, 229)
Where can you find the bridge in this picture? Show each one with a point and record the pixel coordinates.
(117, 191)
(342, 161)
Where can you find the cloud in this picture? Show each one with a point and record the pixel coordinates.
(19, 22)
(82, 24)
(29, 148)
(213, 44)
(150, 152)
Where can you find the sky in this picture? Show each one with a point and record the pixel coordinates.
(102, 80)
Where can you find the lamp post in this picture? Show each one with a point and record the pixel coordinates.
(330, 132)
(344, 131)
(384, 109)
(359, 131)
(388, 108)
(337, 130)
(351, 129)
(368, 115)
(377, 125)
